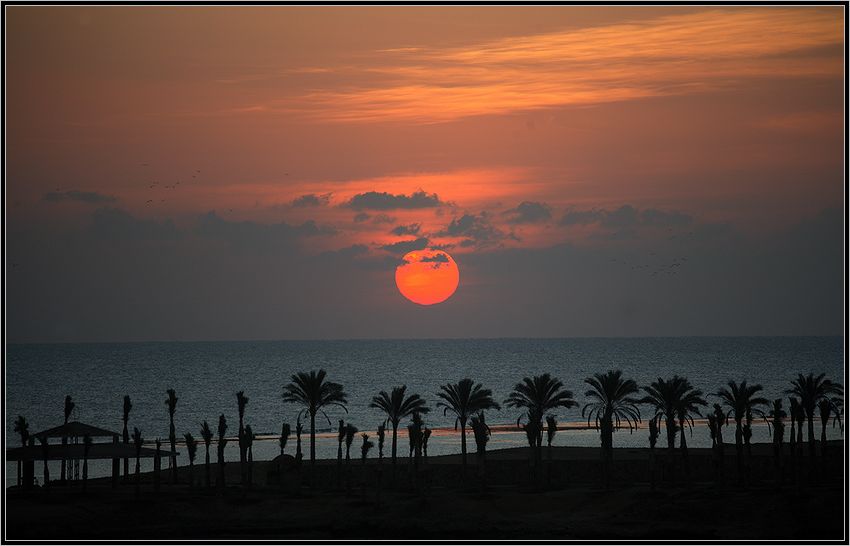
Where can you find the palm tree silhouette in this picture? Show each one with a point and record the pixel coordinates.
(539, 395)
(653, 439)
(397, 406)
(811, 390)
(364, 452)
(382, 431)
(207, 435)
(426, 433)
(86, 448)
(827, 407)
(23, 429)
(776, 427)
(350, 431)
(69, 407)
(674, 399)
(137, 441)
(742, 402)
(551, 430)
(611, 404)
(171, 402)
(248, 435)
(242, 401)
(192, 451)
(222, 442)
(340, 438)
(125, 417)
(481, 434)
(314, 393)
(463, 399)
(716, 420)
(298, 429)
(688, 406)
(157, 465)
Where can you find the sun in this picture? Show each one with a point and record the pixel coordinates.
(427, 276)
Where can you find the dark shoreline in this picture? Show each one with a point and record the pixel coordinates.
(572, 505)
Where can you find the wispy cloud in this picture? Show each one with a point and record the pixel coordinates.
(669, 55)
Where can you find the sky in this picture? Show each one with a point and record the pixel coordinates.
(222, 173)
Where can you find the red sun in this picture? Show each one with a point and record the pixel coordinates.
(427, 276)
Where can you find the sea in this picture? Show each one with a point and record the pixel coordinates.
(207, 375)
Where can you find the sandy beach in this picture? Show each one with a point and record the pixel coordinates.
(572, 505)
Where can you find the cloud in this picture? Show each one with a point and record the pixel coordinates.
(410, 229)
(361, 217)
(311, 200)
(437, 259)
(116, 224)
(403, 247)
(257, 235)
(373, 200)
(528, 212)
(477, 230)
(626, 217)
(78, 196)
(670, 55)
(383, 219)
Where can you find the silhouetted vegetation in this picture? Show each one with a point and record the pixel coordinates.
(171, 402)
(464, 399)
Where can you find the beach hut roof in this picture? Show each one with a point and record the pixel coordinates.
(75, 429)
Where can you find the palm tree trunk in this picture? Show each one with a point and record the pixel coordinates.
(463, 443)
(126, 437)
(811, 420)
(20, 480)
(207, 467)
(395, 436)
(312, 449)
(739, 451)
(85, 472)
(138, 476)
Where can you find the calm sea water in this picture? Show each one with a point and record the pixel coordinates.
(206, 376)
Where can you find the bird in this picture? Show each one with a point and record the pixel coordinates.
(149, 201)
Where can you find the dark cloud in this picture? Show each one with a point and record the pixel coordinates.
(361, 217)
(476, 229)
(626, 217)
(78, 196)
(437, 259)
(528, 212)
(383, 219)
(373, 200)
(257, 235)
(311, 200)
(116, 224)
(411, 229)
(403, 247)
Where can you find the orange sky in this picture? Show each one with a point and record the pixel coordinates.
(522, 127)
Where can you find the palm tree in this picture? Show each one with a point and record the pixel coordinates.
(653, 439)
(415, 430)
(350, 431)
(242, 401)
(171, 402)
(663, 395)
(463, 399)
(137, 441)
(611, 404)
(22, 428)
(86, 448)
(157, 465)
(284, 438)
(298, 429)
(539, 395)
(426, 433)
(314, 393)
(686, 408)
(364, 449)
(777, 429)
(125, 417)
(382, 431)
(742, 402)
(69, 407)
(827, 407)
(192, 450)
(551, 430)
(222, 442)
(811, 390)
(248, 434)
(716, 420)
(481, 434)
(397, 406)
(207, 435)
(340, 438)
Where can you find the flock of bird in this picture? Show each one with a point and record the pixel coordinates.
(172, 186)
(667, 267)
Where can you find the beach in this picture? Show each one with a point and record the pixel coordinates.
(574, 504)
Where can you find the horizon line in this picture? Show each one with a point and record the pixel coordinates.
(495, 338)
